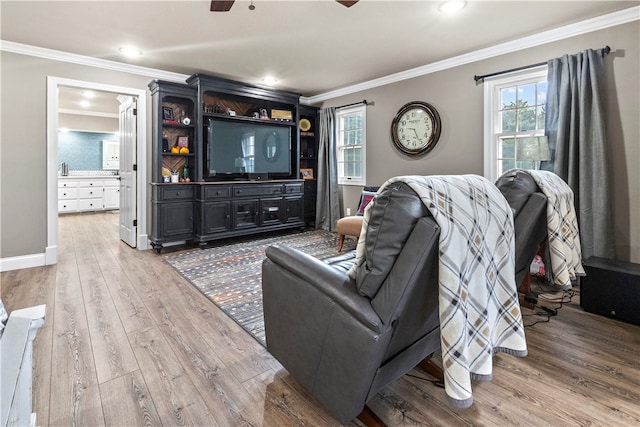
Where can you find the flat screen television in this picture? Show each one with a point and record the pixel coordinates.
(237, 149)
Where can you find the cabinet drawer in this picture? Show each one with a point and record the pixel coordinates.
(175, 192)
(90, 204)
(67, 184)
(90, 184)
(262, 190)
(216, 192)
(67, 193)
(111, 183)
(89, 192)
(67, 205)
(294, 188)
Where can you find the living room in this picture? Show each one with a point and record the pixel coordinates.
(459, 99)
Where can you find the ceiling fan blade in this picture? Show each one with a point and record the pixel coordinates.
(221, 6)
(347, 3)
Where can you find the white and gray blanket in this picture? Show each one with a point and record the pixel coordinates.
(563, 235)
(478, 300)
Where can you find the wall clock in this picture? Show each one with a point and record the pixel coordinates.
(415, 129)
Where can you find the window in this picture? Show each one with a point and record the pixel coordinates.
(514, 122)
(350, 145)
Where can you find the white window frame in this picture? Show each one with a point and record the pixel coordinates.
(351, 180)
(492, 88)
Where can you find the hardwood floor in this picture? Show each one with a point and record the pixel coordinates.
(127, 341)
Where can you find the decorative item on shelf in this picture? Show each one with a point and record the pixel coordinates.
(167, 116)
(184, 119)
(281, 115)
(185, 174)
(183, 144)
(165, 145)
(307, 173)
(174, 176)
(305, 125)
(263, 114)
(231, 112)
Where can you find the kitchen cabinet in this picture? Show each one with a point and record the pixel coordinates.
(110, 155)
(81, 194)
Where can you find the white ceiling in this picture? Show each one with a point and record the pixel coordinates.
(311, 47)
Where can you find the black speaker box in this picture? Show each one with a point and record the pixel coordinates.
(611, 288)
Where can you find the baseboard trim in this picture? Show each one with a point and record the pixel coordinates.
(23, 261)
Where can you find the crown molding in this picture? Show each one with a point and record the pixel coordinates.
(105, 64)
(594, 24)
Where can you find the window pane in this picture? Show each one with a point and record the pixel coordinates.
(527, 95)
(508, 120)
(525, 164)
(508, 97)
(508, 149)
(505, 165)
(542, 93)
(540, 117)
(526, 119)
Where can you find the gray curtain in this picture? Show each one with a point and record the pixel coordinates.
(576, 131)
(328, 200)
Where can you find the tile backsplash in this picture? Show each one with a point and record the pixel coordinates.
(82, 150)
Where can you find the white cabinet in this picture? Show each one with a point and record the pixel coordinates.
(88, 194)
(110, 155)
(112, 194)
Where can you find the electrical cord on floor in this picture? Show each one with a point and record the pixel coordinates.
(434, 382)
(548, 312)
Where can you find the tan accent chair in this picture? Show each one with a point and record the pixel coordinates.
(348, 226)
(351, 225)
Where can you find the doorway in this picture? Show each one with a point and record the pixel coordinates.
(137, 206)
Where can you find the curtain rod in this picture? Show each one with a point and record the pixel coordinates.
(364, 101)
(604, 51)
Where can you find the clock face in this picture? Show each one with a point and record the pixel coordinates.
(416, 128)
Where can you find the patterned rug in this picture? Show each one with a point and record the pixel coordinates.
(231, 275)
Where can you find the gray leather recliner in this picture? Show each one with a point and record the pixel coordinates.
(529, 207)
(344, 339)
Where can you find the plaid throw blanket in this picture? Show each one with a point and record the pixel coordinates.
(478, 301)
(565, 251)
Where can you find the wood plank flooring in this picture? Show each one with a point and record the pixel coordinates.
(129, 342)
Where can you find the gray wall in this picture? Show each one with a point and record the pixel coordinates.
(23, 139)
(460, 102)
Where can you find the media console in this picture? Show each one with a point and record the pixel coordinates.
(203, 212)
(226, 161)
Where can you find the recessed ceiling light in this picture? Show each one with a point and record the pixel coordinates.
(269, 81)
(452, 6)
(85, 104)
(130, 52)
(89, 94)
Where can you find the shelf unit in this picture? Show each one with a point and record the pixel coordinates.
(174, 127)
(309, 161)
(203, 209)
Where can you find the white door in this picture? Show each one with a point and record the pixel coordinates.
(128, 148)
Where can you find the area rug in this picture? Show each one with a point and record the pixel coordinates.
(231, 275)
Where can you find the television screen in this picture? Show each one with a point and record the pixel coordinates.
(236, 149)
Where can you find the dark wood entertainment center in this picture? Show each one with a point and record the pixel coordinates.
(189, 201)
